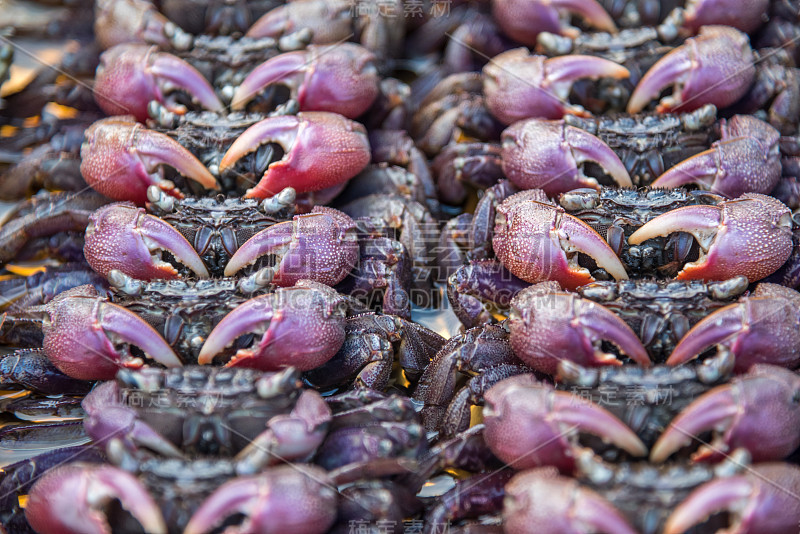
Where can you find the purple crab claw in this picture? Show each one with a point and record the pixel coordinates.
(716, 67)
(745, 16)
(127, 238)
(74, 498)
(547, 155)
(530, 424)
(758, 412)
(750, 236)
(330, 21)
(321, 150)
(761, 328)
(312, 309)
(539, 242)
(762, 500)
(121, 159)
(518, 85)
(300, 499)
(321, 246)
(135, 21)
(86, 336)
(745, 160)
(539, 500)
(339, 78)
(130, 76)
(549, 325)
(523, 20)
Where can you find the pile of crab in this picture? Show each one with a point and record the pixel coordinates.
(243, 232)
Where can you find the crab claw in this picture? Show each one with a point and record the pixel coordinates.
(757, 411)
(716, 67)
(84, 336)
(762, 500)
(762, 328)
(745, 160)
(329, 21)
(541, 154)
(539, 242)
(321, 246)
(750, 236)
(523, 20)
(518, 85)
(339, 78)
(300, 499)
(121, 159)
(745, 16)
(530, 424)
(127, 238)
(539, 500)
(74, 498)
(321, 150)
(301, 326)
(135, 21)
(549, 325)
(130, 76)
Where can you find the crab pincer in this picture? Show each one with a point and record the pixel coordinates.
(745, 16)
(130, 76)
(518, 85)
(301, 499)
(87, 337)
(750, 235)
(321, 150)
(746, 159)
(547, 155)
(530, 424)
(540, 500)
(121, 159)
(321, 246)
(338, 78)
(300, 326)
(549, 325)
(764, 499)
(716, 67)
(127, 238)
(757, 411)
(761, 328)
(539, 242)
(75, 498)
(524, 20)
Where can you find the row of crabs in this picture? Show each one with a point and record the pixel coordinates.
(526, 227)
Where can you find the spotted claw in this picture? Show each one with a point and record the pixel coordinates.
(762, 500)
(716, 67)
(549, 325)
(312, 309)
(539, 242)
(539, 500)
(126, 238)
(750, 236)
(518, 85)
(321, 150)
(88, 338)
(746, 159)
(761, 328)
(757, 412)
(121, 159)
(524, 20)
(299, 498)
(130, 76)
(76, 498)
(548, 155)
(321, 246)
(339, 78)
(530, 424)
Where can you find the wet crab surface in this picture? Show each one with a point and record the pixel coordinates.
(321, 266)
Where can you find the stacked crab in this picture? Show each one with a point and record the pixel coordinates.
(238, 232)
